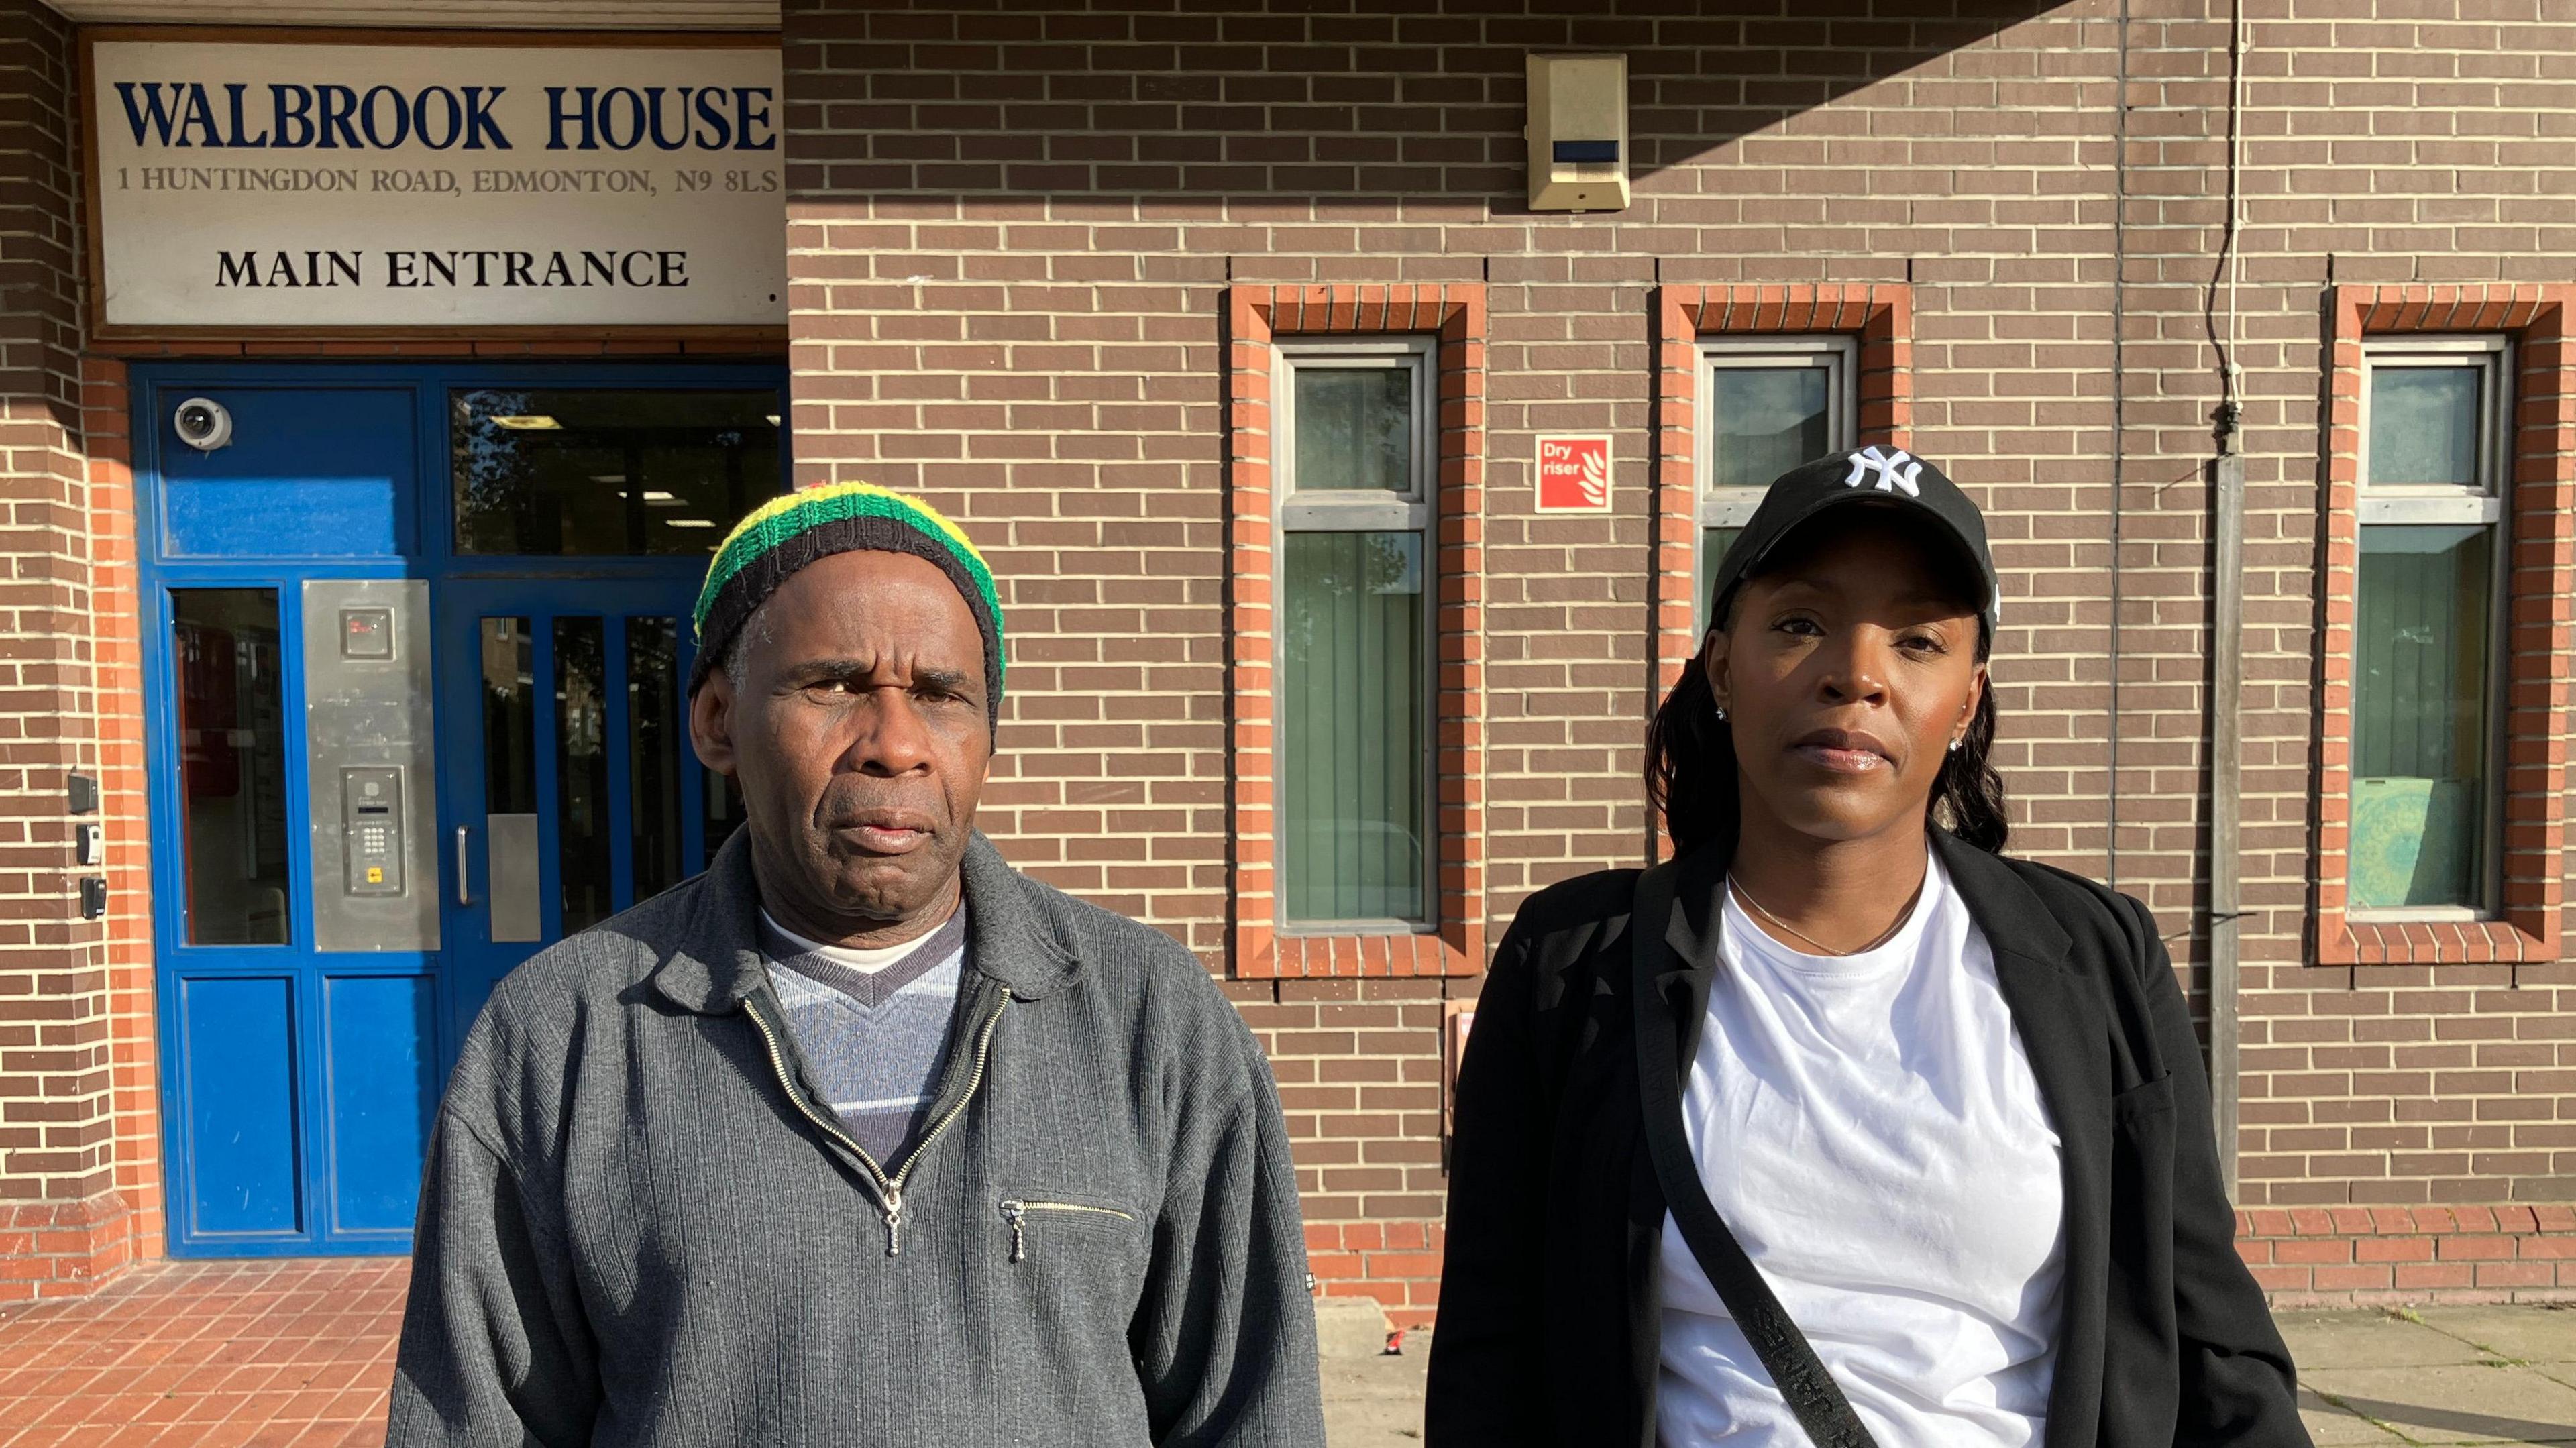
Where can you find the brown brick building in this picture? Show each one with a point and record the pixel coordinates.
(1118, 286)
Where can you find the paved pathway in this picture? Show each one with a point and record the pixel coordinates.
(208, 1355)
(2431, 1375)
(2437, 1375)
(267, 1354)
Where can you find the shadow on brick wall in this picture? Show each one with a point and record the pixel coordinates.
(1415, 112)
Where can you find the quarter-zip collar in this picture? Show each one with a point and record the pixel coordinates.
(716, 965)
(970, 1053)
(1016, 943)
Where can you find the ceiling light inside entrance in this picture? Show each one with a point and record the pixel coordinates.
(527, 422)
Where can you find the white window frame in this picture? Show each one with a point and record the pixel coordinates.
(2479, 503)
(1732, 507)
(1344, 511)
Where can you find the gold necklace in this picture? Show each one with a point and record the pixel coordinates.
(1821, 948)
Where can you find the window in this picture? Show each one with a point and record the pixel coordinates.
(1355, 654)
(1765, 407)
(592, 472)
(2448, 518)
(1751, 379)
(1354, 639)
(232, 765)
(2429, 598)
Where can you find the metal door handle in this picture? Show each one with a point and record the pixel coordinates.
(464, 896)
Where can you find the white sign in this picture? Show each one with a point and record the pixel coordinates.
(283, 184)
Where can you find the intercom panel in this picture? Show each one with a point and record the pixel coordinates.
(370, 758)
(371, 815)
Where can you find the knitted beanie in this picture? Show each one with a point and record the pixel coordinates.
(784, 534)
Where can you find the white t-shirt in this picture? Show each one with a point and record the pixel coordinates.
(865, 962)
(1870, 1128)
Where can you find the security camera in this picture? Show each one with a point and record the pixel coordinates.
(203, 424)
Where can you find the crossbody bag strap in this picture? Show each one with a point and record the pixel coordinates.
(1811, 1392)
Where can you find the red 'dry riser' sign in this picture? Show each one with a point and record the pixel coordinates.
(1574, 473)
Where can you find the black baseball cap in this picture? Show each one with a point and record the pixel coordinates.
(1872, 476)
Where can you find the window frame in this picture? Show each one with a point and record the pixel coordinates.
(1879, 316)
(2536, 476)
(1340, 511)
(2443, 505)
(1837, 354)
(1254, 315)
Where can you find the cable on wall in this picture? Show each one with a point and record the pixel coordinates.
(2227, 649)
(2119, 423)
(2231, 374)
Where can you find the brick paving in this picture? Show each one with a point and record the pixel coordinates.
(300, 1352)
(208, 1354)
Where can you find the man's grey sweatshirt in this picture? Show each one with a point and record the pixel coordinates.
(641, 1226)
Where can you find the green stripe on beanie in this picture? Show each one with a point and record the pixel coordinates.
(786, 533)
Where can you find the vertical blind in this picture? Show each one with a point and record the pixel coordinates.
(2419, 716)
(1353, 709)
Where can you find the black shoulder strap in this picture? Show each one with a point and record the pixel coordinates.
(1821, 1407)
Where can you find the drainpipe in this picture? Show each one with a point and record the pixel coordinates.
(2226, 752)
(2227, 639)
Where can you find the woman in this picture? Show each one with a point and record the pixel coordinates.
(1862, 1132)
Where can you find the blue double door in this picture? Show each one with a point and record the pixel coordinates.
(416, 648)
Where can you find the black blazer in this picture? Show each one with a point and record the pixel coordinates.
(1550, 1325)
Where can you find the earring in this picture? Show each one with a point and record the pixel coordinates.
(1955, 743)
(1721, 713)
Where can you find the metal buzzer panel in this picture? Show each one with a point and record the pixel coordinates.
(368, 758)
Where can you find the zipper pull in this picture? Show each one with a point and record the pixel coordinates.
(1017, 1214)
(894, 1220)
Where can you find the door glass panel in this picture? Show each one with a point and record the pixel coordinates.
(561, 472)
(232, 765)
(653, 751)
(511, 887)
(509, 717)
(581, 780)
(724, 812)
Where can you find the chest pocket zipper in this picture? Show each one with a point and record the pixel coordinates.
(1016, 1214)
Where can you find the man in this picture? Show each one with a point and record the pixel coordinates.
(862, 1137)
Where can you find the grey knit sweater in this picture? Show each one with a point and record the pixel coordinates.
(635, 1231)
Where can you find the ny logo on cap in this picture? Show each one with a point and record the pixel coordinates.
(1897, 471)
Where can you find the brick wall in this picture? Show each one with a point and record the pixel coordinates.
(1011, 234)
(2338, 1256)
(1012, 238)
(2425, 158)
(63, 1222)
